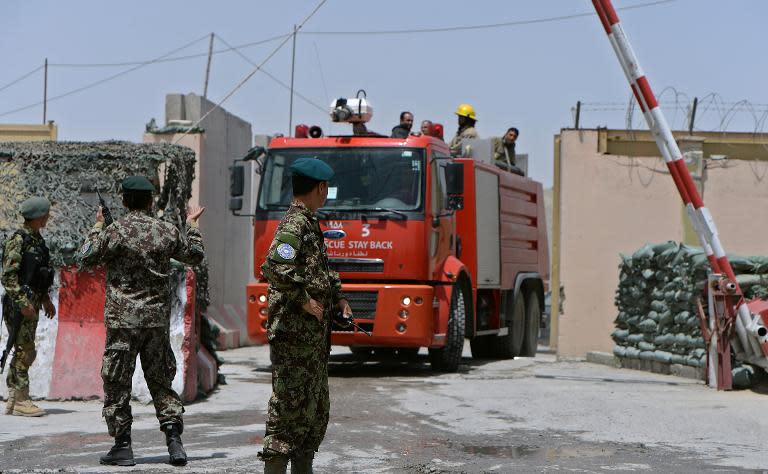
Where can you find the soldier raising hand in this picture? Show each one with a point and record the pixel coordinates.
(137, 250)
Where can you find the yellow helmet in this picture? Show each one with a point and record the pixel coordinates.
(466, 110)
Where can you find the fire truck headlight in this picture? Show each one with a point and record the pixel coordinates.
(406, 300)
(403, 313)
(400, 327)
(262, 299)
(263, 311)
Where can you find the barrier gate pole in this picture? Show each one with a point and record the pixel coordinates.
(750, 342)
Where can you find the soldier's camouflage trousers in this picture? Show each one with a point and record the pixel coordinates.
(159, 365)
(299, 406)
(23, 355)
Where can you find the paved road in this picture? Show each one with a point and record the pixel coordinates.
(526, 415)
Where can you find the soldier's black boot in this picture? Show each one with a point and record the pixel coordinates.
(176, 451)
(121, 453)
(276, 465)
(301, 463)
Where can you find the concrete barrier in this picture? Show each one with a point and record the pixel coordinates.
(70, 347)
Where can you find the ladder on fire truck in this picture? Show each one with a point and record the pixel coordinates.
(732, 321)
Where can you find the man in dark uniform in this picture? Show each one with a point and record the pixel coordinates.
(303, 295)
(137, 250)
(403, 129)
(27, 276)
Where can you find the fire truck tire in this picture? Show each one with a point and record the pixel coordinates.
(447, 358)
(532, 322)
(510, 345)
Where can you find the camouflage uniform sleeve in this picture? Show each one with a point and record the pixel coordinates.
(11, 268)
(282, 269)
(99, 246)
(190, 250)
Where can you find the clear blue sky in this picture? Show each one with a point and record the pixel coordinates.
(529, 76)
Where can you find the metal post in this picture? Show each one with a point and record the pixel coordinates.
(45, 93)
(208, 67)
(578, 114)
(693, 115)
(293, 70)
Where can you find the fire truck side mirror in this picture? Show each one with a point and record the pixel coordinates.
(454, 179)
(454, 186)
(236, 180)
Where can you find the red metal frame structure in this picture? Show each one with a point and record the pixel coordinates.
(751, 343)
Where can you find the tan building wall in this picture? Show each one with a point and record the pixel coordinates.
(610, 199)
(28, 133)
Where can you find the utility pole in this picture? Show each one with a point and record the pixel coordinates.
(208, 68)
(293, 70)
(45, 92)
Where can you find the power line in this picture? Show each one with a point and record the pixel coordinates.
(269, 75)
(19, 79)
(106, 79)
(250, 74)
(173, 59)
(483, 26)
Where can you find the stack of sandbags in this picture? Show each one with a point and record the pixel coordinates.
(656, 300)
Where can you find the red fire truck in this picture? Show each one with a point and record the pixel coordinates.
(431, 250)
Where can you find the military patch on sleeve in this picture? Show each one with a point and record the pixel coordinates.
(286, 252)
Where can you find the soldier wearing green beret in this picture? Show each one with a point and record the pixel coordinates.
(303, 293)
(26, 276)
(137, 250)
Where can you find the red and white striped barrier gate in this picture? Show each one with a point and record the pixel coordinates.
(748, 319)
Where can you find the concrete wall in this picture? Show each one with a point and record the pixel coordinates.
(228, 239)
(609, 205)
(28, 133)
(613, 203)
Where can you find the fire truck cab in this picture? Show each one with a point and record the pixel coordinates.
(431, 250)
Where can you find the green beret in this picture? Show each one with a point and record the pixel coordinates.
(137, 183)
(312, 168)
(35, 207)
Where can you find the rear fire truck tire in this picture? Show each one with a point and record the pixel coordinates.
(532, 323)
(510, 345)
(447, 358)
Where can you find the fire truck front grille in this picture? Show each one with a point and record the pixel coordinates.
(363, 303)
(357, 265)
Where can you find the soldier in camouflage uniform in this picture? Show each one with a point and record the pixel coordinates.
(467, 119)
(26, 247)
(303, 294)
(136, 251)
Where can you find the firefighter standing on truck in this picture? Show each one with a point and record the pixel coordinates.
(467, 120)
(137, 250)
(27, 277)
(303, 295)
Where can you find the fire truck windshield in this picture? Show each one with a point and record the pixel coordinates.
(366, 180)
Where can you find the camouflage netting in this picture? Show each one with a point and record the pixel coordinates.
(656, 300)
(69, 174)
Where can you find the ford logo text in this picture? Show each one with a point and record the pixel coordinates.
(334, 234)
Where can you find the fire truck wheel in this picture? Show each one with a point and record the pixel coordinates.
(532, 322)
(510, 345)
(447, 358)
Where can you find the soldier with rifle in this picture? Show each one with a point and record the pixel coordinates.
(27, 276)
(304, 294)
